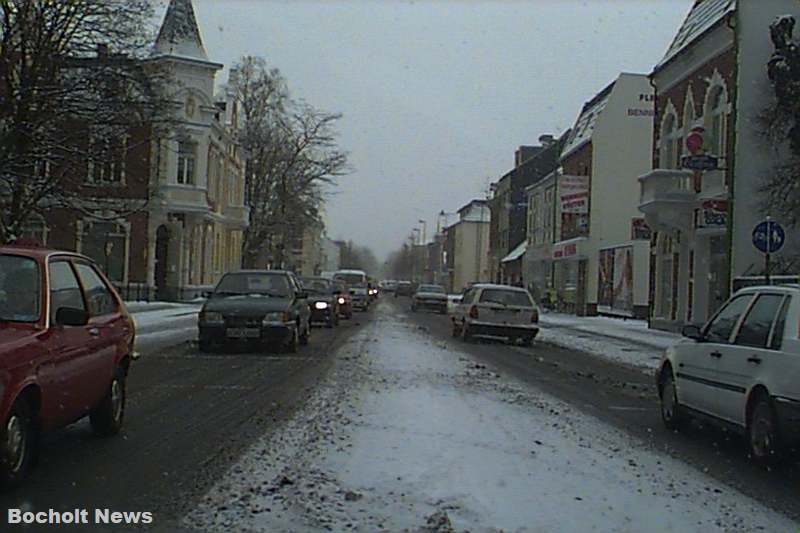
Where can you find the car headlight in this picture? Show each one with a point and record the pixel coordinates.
(341, 301)
(320, 305)
(271, 318)
(211, 317)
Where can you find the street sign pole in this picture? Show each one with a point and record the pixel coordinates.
(769, 245)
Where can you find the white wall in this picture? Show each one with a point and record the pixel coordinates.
(621, 151)
(754, 157)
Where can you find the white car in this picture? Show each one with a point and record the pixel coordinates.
(742, 368)
(488, 310)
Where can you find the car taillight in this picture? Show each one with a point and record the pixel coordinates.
(535, 316)
(473, 312)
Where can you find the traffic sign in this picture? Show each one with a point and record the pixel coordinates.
(700, 162)
(768, 236)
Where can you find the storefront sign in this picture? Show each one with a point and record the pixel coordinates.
(713, 214)
(574, 194)
(565, 251)
(640, 230)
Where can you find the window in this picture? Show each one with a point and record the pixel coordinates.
(670, 143)
(758, 322)
(720, 328)
(101, 301)
(777, 331)
(34, 229)
(19, 289)
(505, 297)
(187, 153)
(105, 243)
(107, 159)
(718, 125)
(65, 291)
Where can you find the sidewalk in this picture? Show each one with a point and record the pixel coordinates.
(623, 340)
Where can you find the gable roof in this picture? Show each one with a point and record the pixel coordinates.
(581, 133)
(179, 34)
(703, 16)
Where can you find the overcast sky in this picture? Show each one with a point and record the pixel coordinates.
(437, 95)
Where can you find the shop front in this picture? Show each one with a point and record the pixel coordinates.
(570, 262)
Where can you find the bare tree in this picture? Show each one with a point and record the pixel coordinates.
(292, 156)
(75, 82)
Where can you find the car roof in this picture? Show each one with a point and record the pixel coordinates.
(783, 287)
(257, 271)
(498, 286)
(350, 271)
(36, 252)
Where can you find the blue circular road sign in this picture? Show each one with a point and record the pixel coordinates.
(768, 236)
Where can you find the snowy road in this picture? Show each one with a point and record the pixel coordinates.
(412, 433)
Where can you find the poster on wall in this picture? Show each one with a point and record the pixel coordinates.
(605, 285)
(623, 279)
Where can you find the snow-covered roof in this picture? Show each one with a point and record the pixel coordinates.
(703, 16)
(179, 34)
(516, 253)
(584, 126)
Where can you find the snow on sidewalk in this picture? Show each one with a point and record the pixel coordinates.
(157, 325)
(407, 434)
(628, 341)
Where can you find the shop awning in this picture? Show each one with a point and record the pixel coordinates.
(516, 253)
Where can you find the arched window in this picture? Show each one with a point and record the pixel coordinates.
(717, 120)
(669, 144)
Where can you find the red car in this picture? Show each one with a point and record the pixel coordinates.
(66, 343)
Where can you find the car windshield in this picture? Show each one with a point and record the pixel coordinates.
(317, 285)
(506, 297)
(20, 289)
(353, 280)
(431, 288)
(240, 283)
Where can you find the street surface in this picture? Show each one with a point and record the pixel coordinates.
(416, 431)
(188, 416)
(387, 423)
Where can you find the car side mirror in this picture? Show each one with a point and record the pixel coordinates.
(301, 295)
(692, 332)
(71, 316)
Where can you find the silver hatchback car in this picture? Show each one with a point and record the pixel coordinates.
(742, 368)
(489, 310)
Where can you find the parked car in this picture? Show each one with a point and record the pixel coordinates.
(344, 299)
(488, 310)
(66, 345)
(388, 286)
(431, 297)
(452, 302)
(356, 281)
(267, 307)
(403, 288)
(322, 300)
(741, 369)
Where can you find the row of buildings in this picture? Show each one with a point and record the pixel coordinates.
(646, 207)
(190, 186)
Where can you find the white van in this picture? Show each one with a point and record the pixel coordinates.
(356, 281)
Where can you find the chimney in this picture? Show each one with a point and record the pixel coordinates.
(524, 153)
(546, 140)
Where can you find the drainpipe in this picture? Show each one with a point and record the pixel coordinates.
(730, 162)
(651, 290)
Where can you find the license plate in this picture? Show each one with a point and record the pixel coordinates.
(243, 333)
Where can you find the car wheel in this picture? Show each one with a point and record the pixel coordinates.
(204, 345)
(293, 343)
(763, 435)
(107, 417)
(456, 330)
(671, 411)
(466, 335)
(527, 341)
(18, 437)
(306, 334)
(330, 323)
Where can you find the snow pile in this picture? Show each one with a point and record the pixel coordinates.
(408, 434)
(626, 341)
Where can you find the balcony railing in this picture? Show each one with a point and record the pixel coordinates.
(667, 199)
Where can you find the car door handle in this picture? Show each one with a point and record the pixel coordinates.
(94, 332)
(716, 354)
(754, 359)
